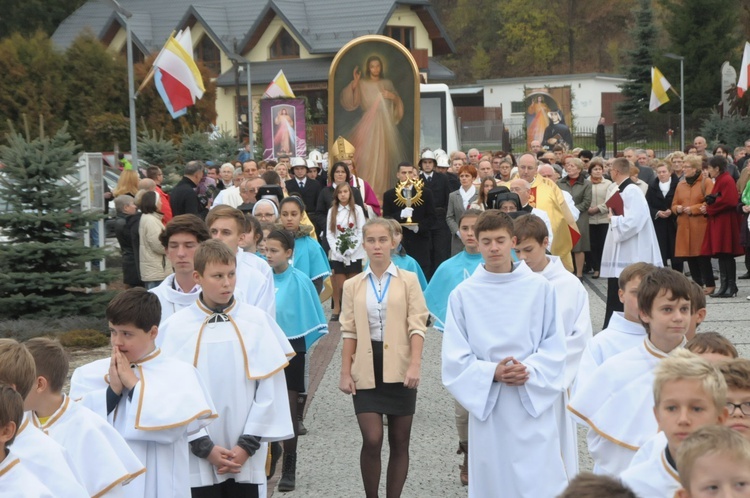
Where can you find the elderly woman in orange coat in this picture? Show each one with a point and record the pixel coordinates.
(689, 197)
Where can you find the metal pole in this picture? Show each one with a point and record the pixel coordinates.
(131, 98)
(250, 138)
(682, 103)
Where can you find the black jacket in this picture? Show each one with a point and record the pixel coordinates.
(309, 194)
(184, 200)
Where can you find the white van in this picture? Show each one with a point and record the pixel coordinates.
(437, 122)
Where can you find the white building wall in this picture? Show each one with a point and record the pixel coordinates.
(586, 91)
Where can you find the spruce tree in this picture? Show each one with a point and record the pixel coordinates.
(632, 113)
(42, 260)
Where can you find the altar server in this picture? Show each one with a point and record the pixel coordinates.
(240, 352)
(155, 402)
(505, 364)
(99, 456)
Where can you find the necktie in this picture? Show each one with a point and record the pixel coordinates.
(429, 179)
(301, 185)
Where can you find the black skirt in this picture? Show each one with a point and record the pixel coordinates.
(390, 398)
(340, 268)
(295, 371)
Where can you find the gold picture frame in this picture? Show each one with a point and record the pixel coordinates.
(379, 112)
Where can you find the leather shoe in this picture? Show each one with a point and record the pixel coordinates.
(746, 276)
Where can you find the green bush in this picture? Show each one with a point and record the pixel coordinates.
(83, 338)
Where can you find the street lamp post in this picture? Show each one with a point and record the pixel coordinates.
(131, 81)
(682, 96)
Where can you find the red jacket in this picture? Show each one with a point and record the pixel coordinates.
(723, 229)
(166, 209)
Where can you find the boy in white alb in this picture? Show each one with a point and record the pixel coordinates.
(616, 401)
(180, 239)
(241, 353)
(505, 364)
(689, 393)
(573, 303)
(254, 286)
(155, 402)
(99, 456)
(40, 454)
(625, 330)
(16, 481)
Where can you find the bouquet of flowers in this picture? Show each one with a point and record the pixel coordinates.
(346, 240)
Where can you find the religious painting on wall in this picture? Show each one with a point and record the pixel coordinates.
(548, 117)
(373, 102)
(284, 128)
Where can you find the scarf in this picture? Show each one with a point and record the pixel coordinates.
(692, 179)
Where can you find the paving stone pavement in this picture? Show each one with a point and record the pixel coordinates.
(328, 457)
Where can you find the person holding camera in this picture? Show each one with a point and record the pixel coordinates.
(722, 238)
(689, 197)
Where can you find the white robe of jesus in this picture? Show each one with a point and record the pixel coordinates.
(617, 404)
(100, 457)
(514, 445)
(573, 304)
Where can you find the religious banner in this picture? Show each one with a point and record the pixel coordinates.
(548, 117)
(283, 127)
(373, 102)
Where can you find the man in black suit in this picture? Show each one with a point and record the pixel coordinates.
(416, 239)
(440, 233)
(307, 189)
(183, 198)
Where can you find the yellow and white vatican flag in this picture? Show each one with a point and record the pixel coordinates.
(279, 87)
(659, 87)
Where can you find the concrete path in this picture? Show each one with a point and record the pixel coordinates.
(328, 457)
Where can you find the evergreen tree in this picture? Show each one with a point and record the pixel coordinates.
(225, 147)
(632, 113)
(705, 32)
(42, 263)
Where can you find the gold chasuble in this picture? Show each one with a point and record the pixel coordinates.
(548, 197)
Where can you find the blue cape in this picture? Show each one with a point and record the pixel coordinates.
(449, 274)
(310, 258)
(298, 309)
(410, 264)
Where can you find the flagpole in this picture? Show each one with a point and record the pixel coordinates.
(682, 96)
(131, 82)
(151, 71)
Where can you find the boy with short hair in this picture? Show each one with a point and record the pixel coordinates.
(449, 274)
(615, 402)
(573, 303)
(242, 353)
(712, 346)
(100, 457)
(15, 479)
(714, 459)
(588, 485)
(625, 330)
(510, 381)
(180, 239)
(254, 277)
(737, 375)
(41, 455)
(155, 402)
(689, 393)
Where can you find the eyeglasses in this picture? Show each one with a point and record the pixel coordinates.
(744, 408)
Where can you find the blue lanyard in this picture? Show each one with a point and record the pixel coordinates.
(380, 296)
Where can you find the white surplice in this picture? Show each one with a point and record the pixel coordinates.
(573, 305)
(46, 460)
(619, 336)
(650, 475)
(173, 300)
(631, 237)
(254, 286)
(168, 405)
(514, 445)
(229, 196)
(100, 457)
(617, 404)
(17, 481)
(241, 360)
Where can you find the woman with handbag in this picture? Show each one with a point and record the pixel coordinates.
(722, 239)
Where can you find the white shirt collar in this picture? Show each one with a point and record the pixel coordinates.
(391, 270)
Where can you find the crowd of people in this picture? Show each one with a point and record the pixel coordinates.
(228, 275)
